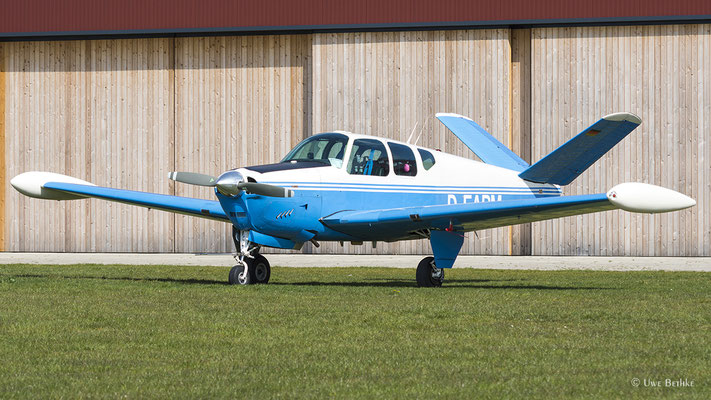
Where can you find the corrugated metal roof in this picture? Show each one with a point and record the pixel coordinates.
(47, 17)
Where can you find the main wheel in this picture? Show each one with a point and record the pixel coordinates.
(260, 269)
(428, 275)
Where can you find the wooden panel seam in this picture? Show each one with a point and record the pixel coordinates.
(2, 148)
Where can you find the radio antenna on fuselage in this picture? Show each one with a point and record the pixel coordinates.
(421, 130)
(411, 133)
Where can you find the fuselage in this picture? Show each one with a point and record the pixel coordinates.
(398, 178)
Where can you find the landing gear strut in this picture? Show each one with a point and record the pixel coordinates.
(253, 267)
(428, 275)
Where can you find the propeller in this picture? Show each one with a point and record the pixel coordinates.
(230, 183)
(192, 178)
(265, 190)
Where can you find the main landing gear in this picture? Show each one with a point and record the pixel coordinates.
(253, 267)
(428, 275)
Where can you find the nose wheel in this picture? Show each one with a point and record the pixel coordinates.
(250, 271)
(428, 275)
(253, 267)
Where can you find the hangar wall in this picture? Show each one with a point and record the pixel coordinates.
(98, 110)
(663, 74)
(125, 112)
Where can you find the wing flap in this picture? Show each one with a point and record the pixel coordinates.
(565, 163)
(478, 140)
(209, 209)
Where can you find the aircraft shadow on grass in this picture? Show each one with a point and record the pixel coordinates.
(191, 281)
(456, 283)
(391, 283)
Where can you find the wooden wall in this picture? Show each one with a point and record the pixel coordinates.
(662, 74)
(84, 108)
(124, 112)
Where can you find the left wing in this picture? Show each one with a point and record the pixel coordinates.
(638, 197)
(47, 185)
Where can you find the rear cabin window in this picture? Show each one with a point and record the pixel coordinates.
(427, 159)
(369, 157)
(403, 160)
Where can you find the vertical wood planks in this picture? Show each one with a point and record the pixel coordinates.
(3, 176)
(520, 137)
(100, 111)
(656, 72)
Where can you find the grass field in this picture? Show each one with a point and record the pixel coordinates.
(181, 332)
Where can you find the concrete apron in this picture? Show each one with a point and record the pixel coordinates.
(392, 261)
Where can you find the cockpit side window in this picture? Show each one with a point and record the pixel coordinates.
(328, 148)
(403, 160)
(428, 159)
(369, 157)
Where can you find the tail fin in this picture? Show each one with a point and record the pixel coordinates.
(485, 146)
(565, 163)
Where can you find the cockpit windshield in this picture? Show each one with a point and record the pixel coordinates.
(328, 148)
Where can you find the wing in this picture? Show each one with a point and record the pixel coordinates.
(398, 223)
(463, 217)
(565, 163)
(51, 186)
(485, 146)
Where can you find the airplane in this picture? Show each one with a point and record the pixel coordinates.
(345, 187)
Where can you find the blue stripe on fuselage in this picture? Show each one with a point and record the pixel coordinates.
(328, 198)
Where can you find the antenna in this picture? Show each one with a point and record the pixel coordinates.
(421, 130)
(411, 133)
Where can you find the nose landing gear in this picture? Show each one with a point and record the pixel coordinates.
(253, 267)
(253, 270)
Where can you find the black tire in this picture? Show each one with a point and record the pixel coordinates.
(235, 277)
(427, 275)
(260, 269)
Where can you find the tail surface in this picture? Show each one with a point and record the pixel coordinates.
(485, 146)
(565, 163)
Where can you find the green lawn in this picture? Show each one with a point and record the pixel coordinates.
(167, 331)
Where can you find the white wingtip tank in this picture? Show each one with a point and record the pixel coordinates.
(646, 198)
(32, 184)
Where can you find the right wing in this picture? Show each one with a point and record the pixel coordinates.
(399, 222)
(47, 185)
(462, 217)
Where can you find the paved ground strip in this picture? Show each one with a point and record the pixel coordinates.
(546, 263)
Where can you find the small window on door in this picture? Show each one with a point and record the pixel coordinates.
(428, 159)
(369, 157)
(403, 159)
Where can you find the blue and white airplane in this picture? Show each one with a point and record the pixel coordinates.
(341, 186)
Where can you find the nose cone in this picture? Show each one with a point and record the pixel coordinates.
(643, 197)
(228, 183)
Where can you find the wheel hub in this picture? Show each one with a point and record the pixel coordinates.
(260, 272)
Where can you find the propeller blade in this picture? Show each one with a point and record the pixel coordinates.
(266, 190)
(193, 178)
